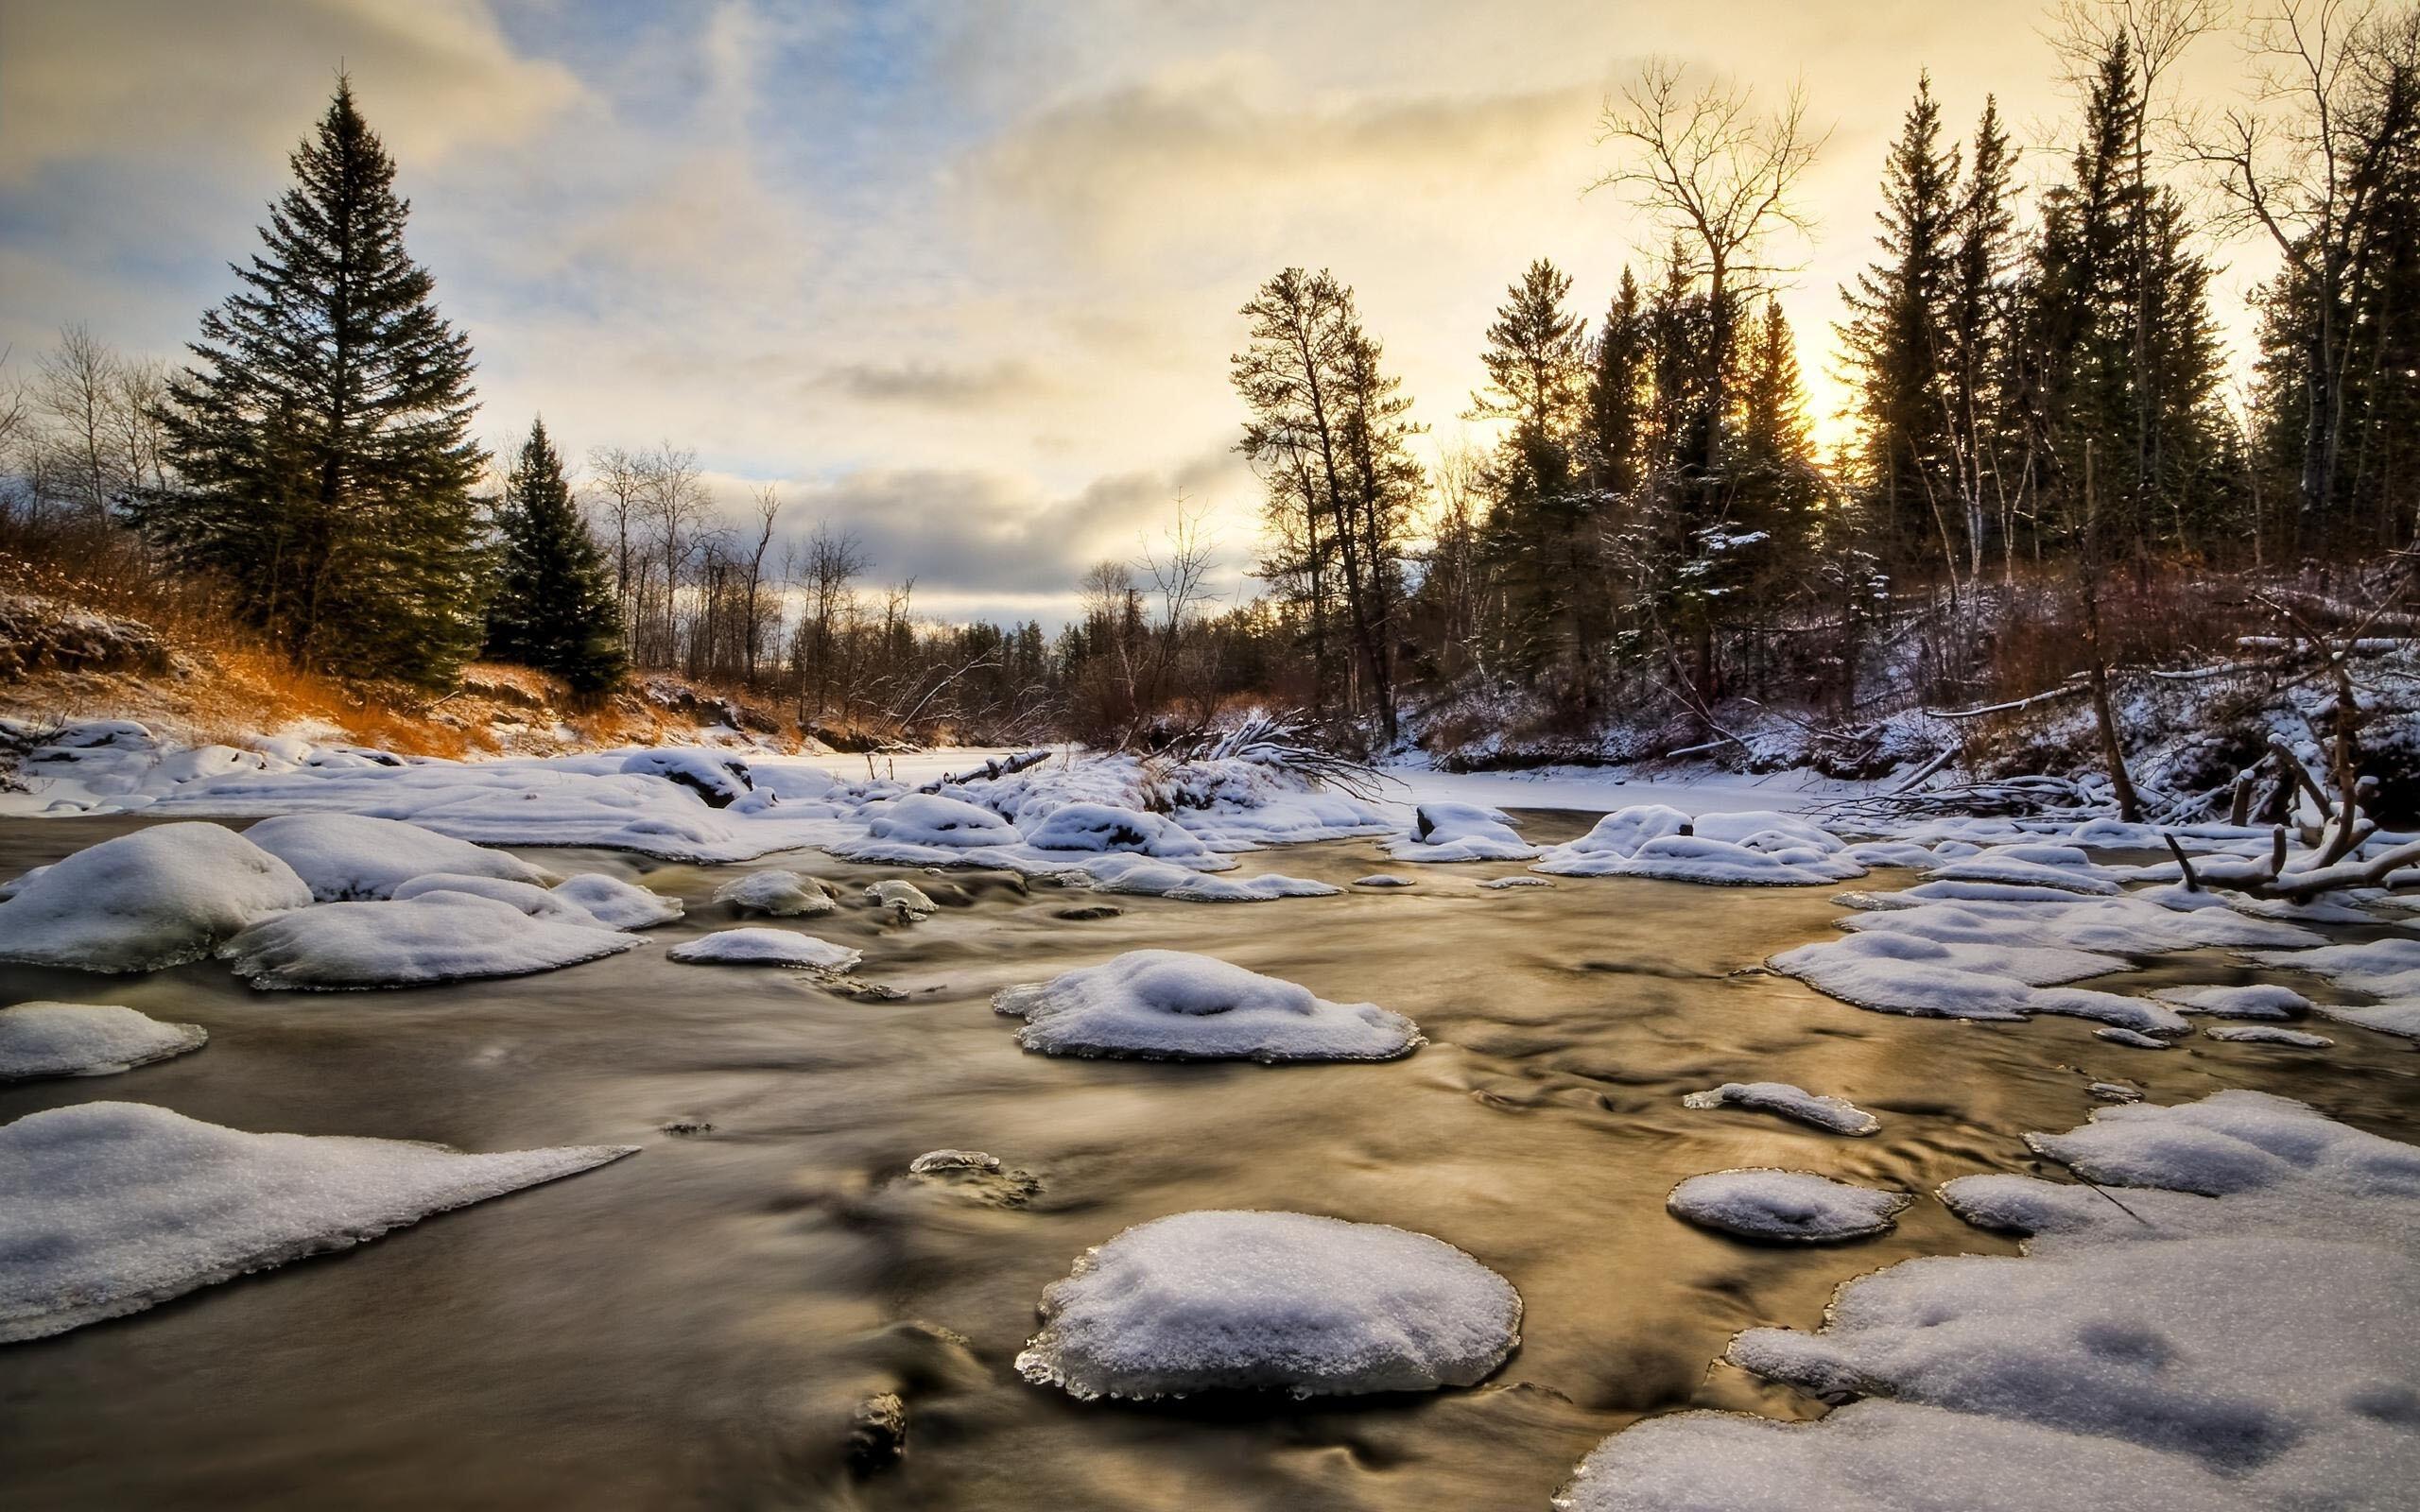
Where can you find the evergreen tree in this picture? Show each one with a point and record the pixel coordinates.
(554, 607)
(1618, 396)
(1977, 333)
(322, 436)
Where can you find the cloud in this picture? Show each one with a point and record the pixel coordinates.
(933, 385)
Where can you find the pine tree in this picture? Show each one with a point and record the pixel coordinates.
(554, 607)
(1976, 331)
(322, 436)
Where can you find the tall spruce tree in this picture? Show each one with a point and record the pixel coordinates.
(554, 607)
(323, 435)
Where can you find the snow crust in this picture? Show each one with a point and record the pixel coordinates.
(2247, 1348)
(1790, 1207)
(86, 1039)
(1836, 1114)
(437, 936)
(757, 945)
(153, 899)
(1754, 849)
(1237, 1300)
(1176, 1006)
(350, 856)
(116, 1207)
(781, 894)
(618, 904)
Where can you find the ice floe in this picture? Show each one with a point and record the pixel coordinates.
(781, 894)
(1209, 1301)
(1836, 1114)
(1756, 849)
(1142, 876)
(618, 904)
(757, 945)
(2258, 1000)
(2270, 1034)
(153, 899)
(1892, 972)
(1460, 831)
(1792, 1207)
(438, 937)
(86, 1039)
(349, 856)
(116, 1207)
(1172, 1004)
(2386, 969)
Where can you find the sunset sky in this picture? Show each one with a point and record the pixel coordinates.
(961, 277)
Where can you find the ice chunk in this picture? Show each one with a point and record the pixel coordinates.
(153, 899)
(346, 856)
(902, 897)
(1172, 1004)
(1101, 827)
(933, 1160)
(1460, 831)
(782, 894)
(1206, 1302)
(438, 937)
(759, 946)
(86, 1039)
(1837, 1114)
(2258, 1000)
(618, 904)
(2268, 1034)
(532, 899)
(1142, 876)
(116, 1207)
(718, 778)
(1501, 884)
(1794, 1206)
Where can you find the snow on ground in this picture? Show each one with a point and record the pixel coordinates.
(142, 901)
(116, 1207)
(86, 1039)
(2249, 1348)
(345, 857)
(618, 904)
(1787, 1207)
(757, 945)
(438, 937)
(1204, 1301)
(1176, 1006)
(2387, 968)
(780, 894)
(1754, 849)
(1834, 1115)
(1603, 789)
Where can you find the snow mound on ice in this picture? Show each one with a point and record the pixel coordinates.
(781, 894)
(153, 899)
(929, 820)
(1383, 879)
(1837, 1114)
(1142, 876)
(438, 937)
(2062, 867)
(902, 897)
(2174, 1353)
(86, 1039)
(2388, 969)
(1175, 1006)
(2259, 1000)
(1460, 831)
(1209, 1301)
(618, 904)
(1794, 1207)
(350, 856)
(760, 946)
(1106, 827)
(717, 779)
(116, 1207)
(1756, 849)
(2109, 927)
(532, 899)
(2269, 1034)
(1894, 972)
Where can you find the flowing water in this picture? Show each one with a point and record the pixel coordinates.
(693, 1327)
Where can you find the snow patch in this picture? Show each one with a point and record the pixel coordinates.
(1172, 1004)
(86, 1039)
(1792, 1207)
(438, 937)
(1836, 1114)
(157, 897)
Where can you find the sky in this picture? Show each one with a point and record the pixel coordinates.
(960, 278)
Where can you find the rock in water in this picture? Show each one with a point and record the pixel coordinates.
(153, 899)
(1790, 1207)
(1316, 1306)
(86, 1039)
(878, 1433)
(1176, 1006)
(757, 945)
(350, 856)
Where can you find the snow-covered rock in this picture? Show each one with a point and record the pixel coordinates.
(2132, 1039)
(153, 899)
(116, 1207)
(1205, 1301)
(1896, 973)
(757, 945)
(719, 778)
(929, 820)
(781, 894)
(348, 856)
(86, 1039)
(1143, 876)
(1836, 1114)
(1105, 827)
(2258, 1000)
(902, 897)
(618, 904)
(1506, 884)
(933, 1162)
(532, 899)
(2270, 1034)
(1756, 849)
(1792, 1207)
(1176, 1006)
(2159, 1352)
(1460, 831)
(438, 937)
(1384, 880)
